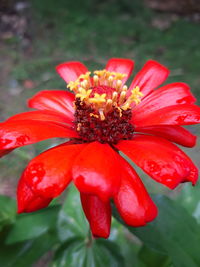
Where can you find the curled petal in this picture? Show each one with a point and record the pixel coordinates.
(98, 214)
(150, 77)
(173, 115)
(48, 174)
(168, 95)
(14, 134)
(173, 133)
(160, 159)
(70, 71)
(120, 65)
(54, 100)
(96, 171)
(27, 200)
(132, 200)
(43, 115)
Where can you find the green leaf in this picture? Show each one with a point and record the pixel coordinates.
(128, 243)
(33, 225)
(152, 258)
(26, 253)
(174, 233)
(7, 210)
(190, 199)
(83, 253)
(72, 221)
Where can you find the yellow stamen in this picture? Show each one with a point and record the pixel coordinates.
(134, 97)
(94, 115)
(119, 76)
(83, 94)
(125, 88)
(110, 81)
(114, 96)
(126, 105)
(100, 73)
(118, 84)
(73, 86)
(85, 76)
(96, 80)
(84, 84)
(78, 127)
(120, 111)
(98, 99)
(109, 104)
(122, 97)
(102, 117)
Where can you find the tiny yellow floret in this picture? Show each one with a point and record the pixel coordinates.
(98, 99)
(83, 94)
(73, 86)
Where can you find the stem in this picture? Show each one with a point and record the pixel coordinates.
(89, 239)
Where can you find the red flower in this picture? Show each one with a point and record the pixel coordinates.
(104, 117)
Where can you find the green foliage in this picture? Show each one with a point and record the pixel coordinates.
(83, 253)
(174, 233)
(171, 240)
(41, 222)
(7, 211)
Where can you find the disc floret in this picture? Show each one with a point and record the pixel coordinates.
(103, 106)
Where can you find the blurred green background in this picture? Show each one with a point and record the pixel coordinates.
(37, 35)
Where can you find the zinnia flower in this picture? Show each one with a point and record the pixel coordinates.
(100, 117)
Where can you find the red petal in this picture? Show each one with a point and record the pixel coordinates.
(173, 115)
(132, 200)
(70, 71)
(160, 159)
(174, 133)
(168, 95)
(49, 173)
(96, 171)
(98, 214)
(54, 100)
(43, 115)
(150, 77)
(20, 133)
(28, 201)
(121, 65)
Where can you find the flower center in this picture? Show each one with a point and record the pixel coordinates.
(102, 107)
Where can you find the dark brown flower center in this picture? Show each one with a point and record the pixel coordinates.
(113, 128)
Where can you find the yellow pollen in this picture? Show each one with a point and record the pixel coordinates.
(120, 111)
(119, 76)
(83, 94)
(85, 76)
(134, 97)
(100, 73)
(98, 99)
(94, 115)
(73, 86)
